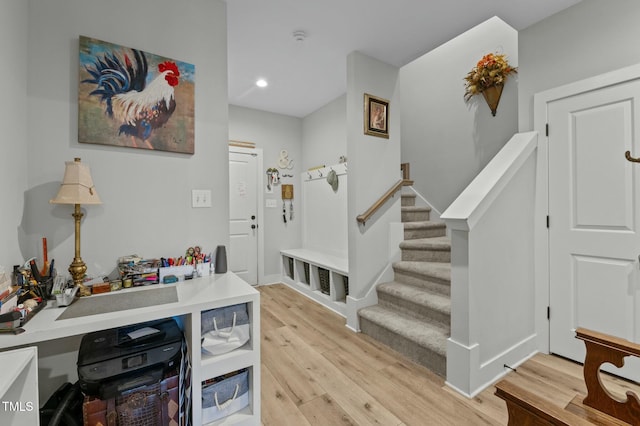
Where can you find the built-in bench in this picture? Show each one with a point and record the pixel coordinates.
(599, 407)
(321, 276)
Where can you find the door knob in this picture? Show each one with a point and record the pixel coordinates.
(253, 226)
(253, 217)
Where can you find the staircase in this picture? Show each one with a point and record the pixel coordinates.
(413, 311)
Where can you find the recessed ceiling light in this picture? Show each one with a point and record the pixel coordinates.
(262, 83)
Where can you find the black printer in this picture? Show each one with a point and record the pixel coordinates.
(119, 359)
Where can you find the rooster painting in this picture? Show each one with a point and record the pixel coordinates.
(131, 98)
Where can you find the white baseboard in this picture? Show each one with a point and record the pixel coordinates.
(467, 375)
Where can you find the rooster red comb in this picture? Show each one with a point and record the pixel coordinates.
(169, 66)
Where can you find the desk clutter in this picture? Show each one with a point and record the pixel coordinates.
(26, 291)
(135, 271)
(23, 294)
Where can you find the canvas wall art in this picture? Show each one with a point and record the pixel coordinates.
(131, 98)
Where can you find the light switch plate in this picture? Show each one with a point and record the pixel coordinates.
(200, 198)
(270, 202)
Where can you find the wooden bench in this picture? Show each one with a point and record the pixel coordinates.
(599, 407)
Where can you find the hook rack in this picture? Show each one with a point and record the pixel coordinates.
(322, 172)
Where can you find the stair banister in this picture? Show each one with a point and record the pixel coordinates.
(385, 197)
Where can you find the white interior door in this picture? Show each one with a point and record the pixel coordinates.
(594, 212)
(243, 216)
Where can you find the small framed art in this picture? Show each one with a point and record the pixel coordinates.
(376, 116)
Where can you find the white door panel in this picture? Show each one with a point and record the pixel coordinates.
(594, 215)
(243, 221)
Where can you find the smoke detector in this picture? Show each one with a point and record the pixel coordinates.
(299, 36)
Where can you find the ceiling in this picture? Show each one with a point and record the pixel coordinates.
(304, 75)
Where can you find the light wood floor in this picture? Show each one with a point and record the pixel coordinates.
(315, 371)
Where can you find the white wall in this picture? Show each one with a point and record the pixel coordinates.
(585, 40)
(146, 195)
(273, 133)
(446, 141)
(13, 121)
(324, 134)
(374, 165)
(492, 269)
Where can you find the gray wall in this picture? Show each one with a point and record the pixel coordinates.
(585, 40)
(13, 121)
(146, 195)
(374, 165)
(272, 133)
(324, 134)
(446, 141)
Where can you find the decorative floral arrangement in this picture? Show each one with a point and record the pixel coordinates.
(490, 71)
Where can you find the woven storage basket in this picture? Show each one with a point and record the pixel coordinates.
(345, 281)
(290, 271)
(323, 274)
(306, 273)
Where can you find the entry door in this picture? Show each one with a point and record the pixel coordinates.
(243, 220)
(594, 212)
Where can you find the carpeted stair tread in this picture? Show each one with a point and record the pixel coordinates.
(430, 336)
(428, 299)
(438, 270)
(423, 229)
(428, 224)
(434, 243)
(415, 208)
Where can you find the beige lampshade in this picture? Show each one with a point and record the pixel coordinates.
(77, 185)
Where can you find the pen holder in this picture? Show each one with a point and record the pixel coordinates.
(66, 297)
(47, 285)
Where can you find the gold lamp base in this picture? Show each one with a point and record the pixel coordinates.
(78, 269)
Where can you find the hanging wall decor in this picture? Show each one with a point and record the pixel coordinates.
(376, 116)
(488, 77)
(131, 98)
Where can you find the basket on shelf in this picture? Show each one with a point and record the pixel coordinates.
(290, 272)
(323, 274)
(306, 273)
(345, 281)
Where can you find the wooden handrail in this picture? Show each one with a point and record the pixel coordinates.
(374, 208)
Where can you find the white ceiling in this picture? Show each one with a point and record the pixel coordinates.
(306, 75)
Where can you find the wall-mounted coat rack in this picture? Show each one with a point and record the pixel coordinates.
(322, 172)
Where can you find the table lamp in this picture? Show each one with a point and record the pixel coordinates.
(77, 188)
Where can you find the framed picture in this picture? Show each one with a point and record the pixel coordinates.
(136, 99)
(376, 116)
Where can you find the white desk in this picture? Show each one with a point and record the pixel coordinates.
(194, 296)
